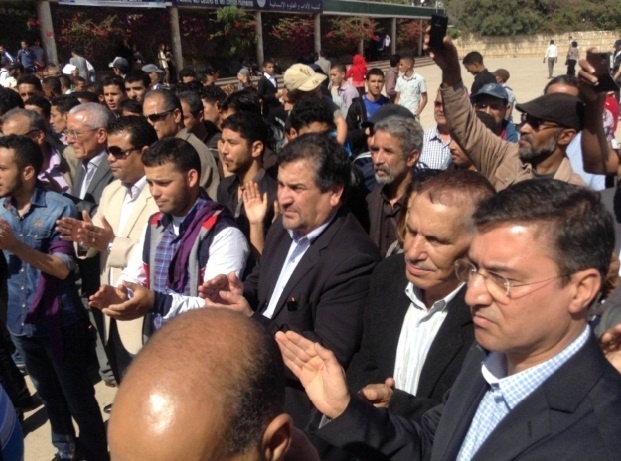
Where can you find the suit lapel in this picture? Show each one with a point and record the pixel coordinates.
(393, 316)
(460, 407)
(548, 411)
(77, 181)
(100, 174)
(448, 342)
(526, 424)
(307, 262)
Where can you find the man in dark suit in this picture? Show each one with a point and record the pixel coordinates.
(88, 135)
(267, 89)
(313, 274)
(417, 327)
(537, 385)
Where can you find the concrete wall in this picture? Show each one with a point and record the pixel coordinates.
(534, 45)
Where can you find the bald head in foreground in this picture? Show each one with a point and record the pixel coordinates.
(208, 386)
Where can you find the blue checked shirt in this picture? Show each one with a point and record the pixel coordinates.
(435, 154)
(506, 392)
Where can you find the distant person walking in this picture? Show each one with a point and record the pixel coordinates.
(551, 56)
(572, 58)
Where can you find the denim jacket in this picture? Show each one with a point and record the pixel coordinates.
(37, 229)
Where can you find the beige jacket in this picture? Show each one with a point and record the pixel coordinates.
(113, 262)
(494, 158)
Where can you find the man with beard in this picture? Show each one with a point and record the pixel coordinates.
(549, 123)
(45, 317)
(395, 148)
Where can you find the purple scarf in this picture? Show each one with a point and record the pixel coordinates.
(207, 214)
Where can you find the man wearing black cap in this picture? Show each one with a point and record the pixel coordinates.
(493, 99)
(549, 123)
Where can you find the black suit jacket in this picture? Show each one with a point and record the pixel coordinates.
(574, 415)
(383, 319)
(267, 94)
(324, 297)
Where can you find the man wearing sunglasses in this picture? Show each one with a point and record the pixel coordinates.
(114, 238)
(537, 385)
(549, 123)
(164, 111)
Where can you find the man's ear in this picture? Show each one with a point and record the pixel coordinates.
(412, 158)
(587, 284)
(257, 149)
(193, 177)
(178, 115)
(28, 172)
(565, 136)
(277, 438)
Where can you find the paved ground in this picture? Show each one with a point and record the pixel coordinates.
(528, 77)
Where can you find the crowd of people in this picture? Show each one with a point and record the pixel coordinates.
(448, 293)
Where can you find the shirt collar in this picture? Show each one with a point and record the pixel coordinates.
(135, 190)
(97, 159)
(38, 197)
(517, 387)
(415, 295)
(312, 235)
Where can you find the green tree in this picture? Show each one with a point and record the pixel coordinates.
(513, 17)
(236, 26)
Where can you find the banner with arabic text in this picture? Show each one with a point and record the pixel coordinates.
(117, 3)
(287, 6)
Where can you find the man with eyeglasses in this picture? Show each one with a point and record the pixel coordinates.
(56, 172)
(537, 385)
(87, 134)
(164, 111)
(549, 123)
(121, 217)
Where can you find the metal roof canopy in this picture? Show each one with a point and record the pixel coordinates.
(376, 9)
(351, 8)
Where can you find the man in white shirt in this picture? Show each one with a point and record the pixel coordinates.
(411, 88)
(417, 328)
(551, 55)
(313, 274)
(190, 240)
(537, 383)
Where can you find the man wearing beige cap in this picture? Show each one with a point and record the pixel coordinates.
(302, 82)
